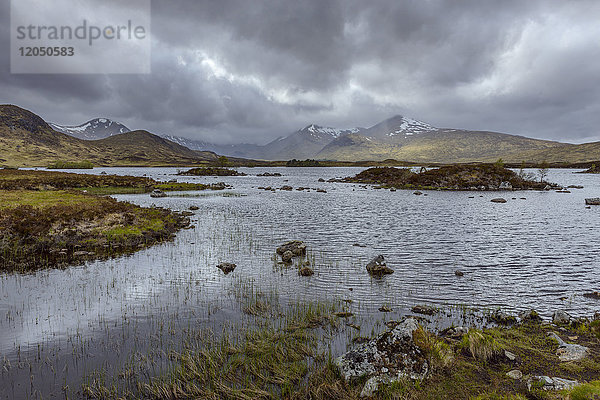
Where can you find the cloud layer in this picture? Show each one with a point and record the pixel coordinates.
(239, 71)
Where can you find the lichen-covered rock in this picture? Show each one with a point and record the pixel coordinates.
(548, 383)
(569, 351)
(391, 356)
(377, 267)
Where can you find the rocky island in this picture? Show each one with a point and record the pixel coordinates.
(452, 177)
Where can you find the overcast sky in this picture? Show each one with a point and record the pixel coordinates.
(249, 71)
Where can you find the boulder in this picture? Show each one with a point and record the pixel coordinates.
(305, 271)
(547, 383)
(593, 201)
(287, 256)
(390, 357)
(569, 351)
(377, 267)
(157, 193)
(560, 317)
(502, 318)
(505, 186)
(515, 374)
(530, 316)
(498, 200)
(321, 180)
(297, 247)
(226, 267)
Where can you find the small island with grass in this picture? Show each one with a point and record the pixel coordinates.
(56, 219)
(71, 165)
(211, 171)
(452, 177)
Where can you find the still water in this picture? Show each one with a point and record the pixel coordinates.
(56, 326)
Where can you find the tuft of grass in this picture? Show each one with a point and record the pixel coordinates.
(439, 353)
(588, 391)
(480, 345)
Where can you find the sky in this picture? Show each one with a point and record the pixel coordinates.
(250, 71)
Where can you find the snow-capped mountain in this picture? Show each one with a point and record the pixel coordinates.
(97, 128)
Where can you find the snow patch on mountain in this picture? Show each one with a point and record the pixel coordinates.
(410, 127)
(335, 132)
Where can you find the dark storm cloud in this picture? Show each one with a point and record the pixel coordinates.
(253, 70)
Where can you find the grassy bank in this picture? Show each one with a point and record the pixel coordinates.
(56, 228)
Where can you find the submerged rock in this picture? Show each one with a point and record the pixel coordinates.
(390, 357)
(287, 187)
(569, 351)
(226, 267)
(377, 267)
(459, 273)
(425, 310)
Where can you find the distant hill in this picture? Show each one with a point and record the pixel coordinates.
(98, 128)
(27, 140)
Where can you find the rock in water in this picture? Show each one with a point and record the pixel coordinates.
(305, 271)
(593, 201)
(505, 186)
(226, 267)
(426, 310)
(390, 357)
(297, 247)
(157, 193)
(287, 256)
(377, 267)
(498, 200)
(459, 273)
(560, 317)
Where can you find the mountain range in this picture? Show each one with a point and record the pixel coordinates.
(398, 137)
(26, 139)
